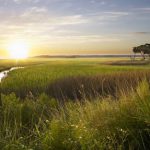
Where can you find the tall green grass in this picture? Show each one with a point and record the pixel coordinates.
(37, 79)
(44, 123)
(74, 104)
(102, 85)
(7, 63)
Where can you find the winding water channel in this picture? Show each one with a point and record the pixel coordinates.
(4, 73)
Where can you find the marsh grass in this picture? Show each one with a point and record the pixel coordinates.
(44, 123)
(129, 63)
(38, 75)
(75, 106)
(73, 86)
(103, 85)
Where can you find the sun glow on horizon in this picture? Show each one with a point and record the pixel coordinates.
(18, 49)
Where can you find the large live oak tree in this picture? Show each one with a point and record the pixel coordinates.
(143, 50)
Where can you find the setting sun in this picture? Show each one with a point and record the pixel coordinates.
(18, 49)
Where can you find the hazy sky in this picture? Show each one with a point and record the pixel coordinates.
(75, 26)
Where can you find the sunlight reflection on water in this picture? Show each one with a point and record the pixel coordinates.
(4, 74)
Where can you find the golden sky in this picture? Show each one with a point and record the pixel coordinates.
(74, 27)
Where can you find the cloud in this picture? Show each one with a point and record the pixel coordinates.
(113, 15)
(142, 10)
(117, 13)
(70, 20)
(34, 12)
(141, 33)
(101, 2)
(26, 1)
(39, 15)
(78, 39)
(106, 17)
(38, 23)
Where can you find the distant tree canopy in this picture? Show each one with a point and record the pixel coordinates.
(143, 50)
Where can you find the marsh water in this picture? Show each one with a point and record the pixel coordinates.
(4, 73)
